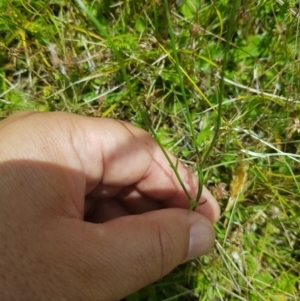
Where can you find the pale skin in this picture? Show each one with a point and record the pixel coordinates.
(91, 210)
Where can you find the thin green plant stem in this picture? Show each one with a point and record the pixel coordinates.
(220, 96)
(173, 166)
(195, 203)
(220, 92)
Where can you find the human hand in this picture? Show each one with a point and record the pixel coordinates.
(91, 210)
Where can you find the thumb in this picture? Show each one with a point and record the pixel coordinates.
(128, 253)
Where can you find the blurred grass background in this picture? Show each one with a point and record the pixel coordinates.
(54, 58)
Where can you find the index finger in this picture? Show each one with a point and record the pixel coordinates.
(120, 154)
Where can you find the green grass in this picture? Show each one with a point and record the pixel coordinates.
(53, 57)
